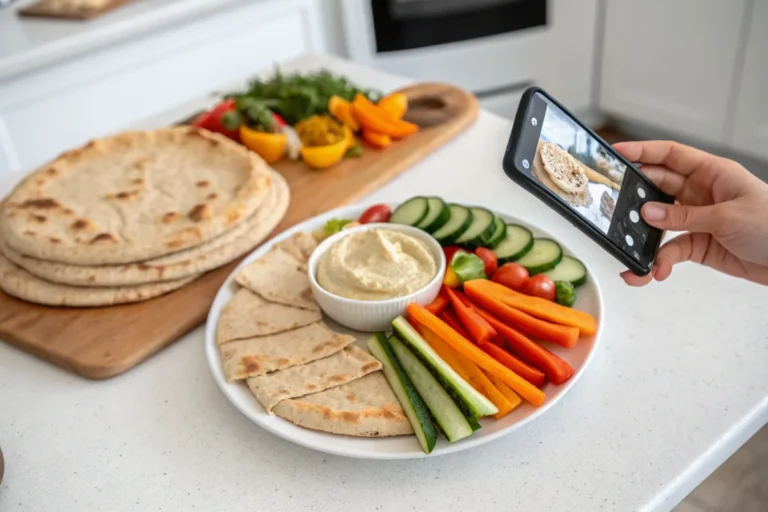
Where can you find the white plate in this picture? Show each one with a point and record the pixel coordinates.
(401, 447)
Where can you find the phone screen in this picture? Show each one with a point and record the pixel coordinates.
(575, 168)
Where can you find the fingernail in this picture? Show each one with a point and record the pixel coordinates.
(654, 212)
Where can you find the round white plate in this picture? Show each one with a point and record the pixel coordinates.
(400, 447)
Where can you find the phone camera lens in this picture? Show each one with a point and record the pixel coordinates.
(526, 164)
(534, 121)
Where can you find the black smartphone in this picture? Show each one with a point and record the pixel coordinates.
(561, 161)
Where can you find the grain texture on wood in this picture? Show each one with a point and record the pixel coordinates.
(99, 343)
(40, 10)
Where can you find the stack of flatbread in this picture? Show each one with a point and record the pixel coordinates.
(134, 216)
(271, 335)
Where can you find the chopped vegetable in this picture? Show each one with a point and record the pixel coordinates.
(556, 369)
(560, 334)
(320, 131)
(539, 286)
(341, 109)
(438, 305)
(467, 266)
(376, 139)
(376, 213)
(450, 279)
(478, 328)
(464, 347)
(535, 306)
(532, 375)
(489, 259)
(396, 104)
(356, 151)
(565, 293)
(333, 226)
(449, 317)
(213, 120)
(505, 390)
(511, 275)
(269, 146)
(379, 120)
(450, 251)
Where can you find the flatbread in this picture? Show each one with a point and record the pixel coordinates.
(134, 196)
(300, 246)
(563, 169)
(21, 284)
(263, 354)
(539, 173)
(344, 366)
(202, 258)
(365, 407)
(247, 315)
(279, 277)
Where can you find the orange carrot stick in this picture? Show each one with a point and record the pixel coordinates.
(505, 390)
(538, 307)
(479, 329)
(464, 347)
(450, 318)
(438, 305)
(529, 373)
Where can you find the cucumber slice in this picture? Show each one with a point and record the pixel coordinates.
(411, 402)
(460, 220)
(516, 242)
(544, 255)
(437, 215)
(482, 226)
(499, 232)
(410, 212)
(467, 398)
(569, 269)
(450, 418)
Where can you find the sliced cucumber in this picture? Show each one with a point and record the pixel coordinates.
(461, 219)
(446, 413)
(569, 269)
(437, 215)
(405, 391)
(516, 242)
(482, 226)
(499, 232)
(411, 212)
(544, 255)
(467, 398)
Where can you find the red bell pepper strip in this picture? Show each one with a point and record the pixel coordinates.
(479, 330)
(450, 318)
(529, 373)
(438, 305)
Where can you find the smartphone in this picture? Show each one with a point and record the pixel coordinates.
(561, 161)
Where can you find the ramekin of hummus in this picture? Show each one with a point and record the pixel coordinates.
(366, 276)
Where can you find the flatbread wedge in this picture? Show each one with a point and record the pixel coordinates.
(344, 366)
(248, 315)
(365, 407)
(300, 246)
(279, 277)
(263, 354)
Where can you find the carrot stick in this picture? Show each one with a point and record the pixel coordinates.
(536, 306)
(479, 329)
(532, 375)
(555, 368)
(468, 371)
(439, 304)
(464, 347)
(505, 390)
(448, 317)
(564, 336)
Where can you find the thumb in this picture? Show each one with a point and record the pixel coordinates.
(680, 217)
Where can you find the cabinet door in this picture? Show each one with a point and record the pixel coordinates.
(669, 64)
(749, 129)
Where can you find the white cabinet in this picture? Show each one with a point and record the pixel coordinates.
(51, 109)
(670, 64)
(749, 122)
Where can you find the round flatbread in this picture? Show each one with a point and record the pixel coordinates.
(563, 169)
(583, 199)
(202, 258)
(21, 284)
(134, 196)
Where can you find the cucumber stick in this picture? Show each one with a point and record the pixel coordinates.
(467, 398)
(445, 411)
(405, 391)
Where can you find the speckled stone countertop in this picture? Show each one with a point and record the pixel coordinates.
(678, 384)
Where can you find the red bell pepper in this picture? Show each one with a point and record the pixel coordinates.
(480, 330)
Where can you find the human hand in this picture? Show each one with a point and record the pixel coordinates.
(721, 206)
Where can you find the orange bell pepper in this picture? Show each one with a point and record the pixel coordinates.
(269, 146)
(376, 139)
(320, 157)
(341, 109)
(379, 120)
(396, 104)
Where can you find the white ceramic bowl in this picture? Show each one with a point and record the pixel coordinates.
(374, 315)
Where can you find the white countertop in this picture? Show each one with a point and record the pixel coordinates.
(678, 384)
(28, 43)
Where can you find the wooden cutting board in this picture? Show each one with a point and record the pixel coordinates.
(41, 10)
(99, 343)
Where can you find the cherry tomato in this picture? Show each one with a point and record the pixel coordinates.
(450, 251)
(376, 213)
(540, 286)
(511, 275)
(489, 259)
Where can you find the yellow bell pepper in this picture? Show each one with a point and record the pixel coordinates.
(341, 109)
(269, 146)
(320, 157)
(451, 280)
(396, 104)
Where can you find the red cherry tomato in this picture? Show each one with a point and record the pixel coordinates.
(511, 275)
(450, 251)
(212, 121)
(376, 213)
(489, 259)
(540, 286)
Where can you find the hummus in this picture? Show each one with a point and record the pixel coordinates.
(377, 264)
